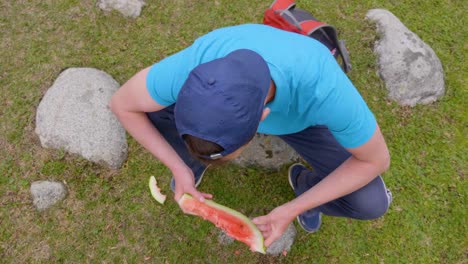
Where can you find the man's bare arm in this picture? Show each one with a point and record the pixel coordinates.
(367, 162)
(130, 104)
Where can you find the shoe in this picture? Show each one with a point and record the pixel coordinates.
(310, 220)
(293, 174)
(198, 177)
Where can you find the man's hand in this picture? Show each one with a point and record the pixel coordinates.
(186, 184)
(274, 224)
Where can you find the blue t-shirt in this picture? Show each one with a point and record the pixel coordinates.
(311, 88)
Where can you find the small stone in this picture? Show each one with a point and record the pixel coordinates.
(128, 8)
(47, 193)
(283, 245)
(224, 239)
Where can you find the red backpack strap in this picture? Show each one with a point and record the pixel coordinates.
(280, 5)
(273, 16)
(309, 26)
(274, 19)
(283, 14)
(340, 51)
(328, 32)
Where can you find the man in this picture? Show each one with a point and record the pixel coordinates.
(205, 103)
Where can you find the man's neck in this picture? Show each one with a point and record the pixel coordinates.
(271, 92)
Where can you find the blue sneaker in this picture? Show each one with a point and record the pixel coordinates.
(198, 177)
(310, 220)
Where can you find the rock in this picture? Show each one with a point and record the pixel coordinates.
(74, 116)
(267, 151)
(411, 70)
(284, 243)
(47, 193)
(224, 239)
(128, 8)
(280, 246)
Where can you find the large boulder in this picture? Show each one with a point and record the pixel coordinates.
(268, 152)
(74, 116)
(411, 70)
(128, 8)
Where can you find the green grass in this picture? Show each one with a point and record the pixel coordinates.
(110, 217)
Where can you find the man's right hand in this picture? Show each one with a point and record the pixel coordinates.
(186, 184)
(130, 104)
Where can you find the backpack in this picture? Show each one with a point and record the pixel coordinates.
(283, 14)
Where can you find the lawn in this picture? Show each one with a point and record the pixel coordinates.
(109, 215)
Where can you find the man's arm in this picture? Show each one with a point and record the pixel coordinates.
(130, 104)
(367, 162)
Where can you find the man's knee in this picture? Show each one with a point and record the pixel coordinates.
(374, 207)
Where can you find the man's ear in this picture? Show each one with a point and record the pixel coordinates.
(265, 113)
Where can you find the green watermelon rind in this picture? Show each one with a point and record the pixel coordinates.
(258, 245)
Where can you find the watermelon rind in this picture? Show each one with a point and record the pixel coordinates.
(155, 191)
(257, 245)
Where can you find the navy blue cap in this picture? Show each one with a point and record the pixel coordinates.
(222, 100)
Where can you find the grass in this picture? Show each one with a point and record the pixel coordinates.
(109, 216)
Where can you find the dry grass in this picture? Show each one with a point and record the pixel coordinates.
(109, 216)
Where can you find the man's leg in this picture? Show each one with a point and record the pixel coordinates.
(164, 121)
(319, 148)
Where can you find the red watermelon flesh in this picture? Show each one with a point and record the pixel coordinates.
(235, 224)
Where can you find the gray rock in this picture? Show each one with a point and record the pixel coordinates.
(128, 8)
(224, 239)
(284, 243)
(411, 70)
(74, 116)
(47, 193)
(267, 151)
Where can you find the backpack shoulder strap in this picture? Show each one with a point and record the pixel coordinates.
(283, 14)
(330, 32)
(280, 5)
(310, 26)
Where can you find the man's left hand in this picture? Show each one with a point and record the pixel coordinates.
(274, 224)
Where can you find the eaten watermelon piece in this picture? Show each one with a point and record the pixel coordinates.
(155, 191)
(235, 224)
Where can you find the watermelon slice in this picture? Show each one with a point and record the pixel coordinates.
(155, 191)
(235, 224)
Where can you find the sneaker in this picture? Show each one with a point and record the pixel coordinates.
(198, 177)
(293, 174)
(310, 220)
